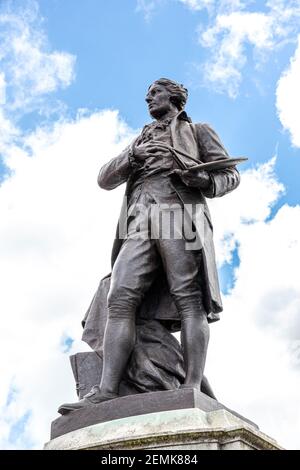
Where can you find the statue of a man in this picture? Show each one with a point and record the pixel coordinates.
(158, 169)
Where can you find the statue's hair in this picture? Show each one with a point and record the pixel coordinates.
(178, 92)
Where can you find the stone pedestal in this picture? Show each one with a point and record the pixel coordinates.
(187, 429)
(178, 419)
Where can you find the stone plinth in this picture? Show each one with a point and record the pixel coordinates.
(185, 429)
(135, 405)
(175, 419)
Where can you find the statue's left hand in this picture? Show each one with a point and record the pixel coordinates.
(195, 179)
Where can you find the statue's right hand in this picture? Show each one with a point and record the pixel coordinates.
(144, 151)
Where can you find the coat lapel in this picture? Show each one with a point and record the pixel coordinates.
(183, 138)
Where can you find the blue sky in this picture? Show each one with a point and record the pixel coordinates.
(73, 76)
(119, 52)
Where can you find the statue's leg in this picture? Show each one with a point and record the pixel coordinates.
(133, 274)
(119, 340)
(182, 269)
(194, 341)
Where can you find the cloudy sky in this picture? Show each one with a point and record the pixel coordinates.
(73, 75)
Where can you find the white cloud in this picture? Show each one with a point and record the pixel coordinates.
(265, 303)
(234, 33)
(2, 89)
(8, 132)
(55, 248)
(30, 340)
(254, 355)
(288, 97)
(237, 31)
(239, 209)
(32, 69)
(198, 4)
(227, 39)
(221, 5)
(147, 7)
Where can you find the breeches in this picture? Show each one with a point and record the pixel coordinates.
(136, 267)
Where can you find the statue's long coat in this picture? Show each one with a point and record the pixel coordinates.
(202, 143)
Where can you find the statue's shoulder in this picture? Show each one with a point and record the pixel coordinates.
(202, 126)
(203, 130)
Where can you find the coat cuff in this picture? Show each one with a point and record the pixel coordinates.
(211, 190)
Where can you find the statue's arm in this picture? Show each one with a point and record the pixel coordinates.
(116, 171)
(212, 149)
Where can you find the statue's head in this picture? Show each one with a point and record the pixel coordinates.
(164, 95)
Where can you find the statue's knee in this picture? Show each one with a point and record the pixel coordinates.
(121, 303)
(191, 308)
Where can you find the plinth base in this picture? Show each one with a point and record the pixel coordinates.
(186, 429)
(175, 419)
(135, 405)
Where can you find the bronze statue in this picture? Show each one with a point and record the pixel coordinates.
(159, 283)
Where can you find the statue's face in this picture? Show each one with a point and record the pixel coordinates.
(158, 99)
